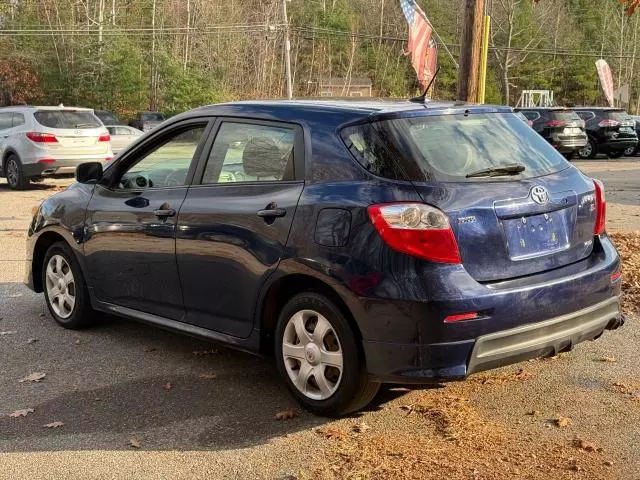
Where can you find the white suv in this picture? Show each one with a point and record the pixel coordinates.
(41, 141)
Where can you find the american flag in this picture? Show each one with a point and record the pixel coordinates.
(423, 49)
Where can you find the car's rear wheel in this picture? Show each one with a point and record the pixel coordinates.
(15, 173)
(589, 150)
(319, 357)
(65, 290)
(616, 153)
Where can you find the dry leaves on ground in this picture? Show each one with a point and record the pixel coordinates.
(287, 414)
(360, 427)
(22, 413)
(586, 446)
(628, 245)
(631, 390)
(334, 433)
(54, 425)
(134, 443)
(207, 376)
(32, 340)
(10, 332)
(499, 378)
(167, 386)
(606, 360)
(561, 421)
(33, 377)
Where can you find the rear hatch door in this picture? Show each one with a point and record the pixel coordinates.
(77, 132)
(565, 124)
(508, 225)
(618, 124)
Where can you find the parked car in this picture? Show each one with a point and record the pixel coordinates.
(147, 121)
(610, 130)
(559, 126)
(633, 151)
(361, 242)
(41, 141)
(106, 117)
(521, 116)
(122, 136)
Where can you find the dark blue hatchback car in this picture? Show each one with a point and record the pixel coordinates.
(361, 242)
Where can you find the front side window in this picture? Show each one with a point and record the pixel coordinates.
(167, 164)
(454, 147)
(245, 152)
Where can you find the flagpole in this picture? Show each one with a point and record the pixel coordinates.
(442, 43)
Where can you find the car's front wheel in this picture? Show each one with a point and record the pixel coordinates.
(65, 290)
(319, 357)
(631, 151)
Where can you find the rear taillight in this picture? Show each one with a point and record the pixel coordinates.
(583, 124)
(416, 229)
(530, 123)
(105, 137)
(601, 208)
(42, 137)
(555, 123)
(609, 123)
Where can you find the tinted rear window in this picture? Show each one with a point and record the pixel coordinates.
(564, 115)
(107, 118)
(619, 116)
(66, 119)
(152, 117)
(448, 147)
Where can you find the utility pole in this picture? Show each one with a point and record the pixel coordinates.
(470, 50)
(287, 50)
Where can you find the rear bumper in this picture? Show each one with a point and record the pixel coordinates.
(60, 165)
(566, 144)
(618, 144)
(523, 318)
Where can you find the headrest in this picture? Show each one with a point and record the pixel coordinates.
(262, 157)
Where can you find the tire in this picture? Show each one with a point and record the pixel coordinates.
(631, 152)
(72, 315)
(616, 153)
(337, 392)
(14, 173)
(589, 151)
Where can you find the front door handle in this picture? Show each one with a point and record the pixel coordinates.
(164, 212)
(272, 212)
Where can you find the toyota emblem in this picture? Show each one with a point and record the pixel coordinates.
(540, 195)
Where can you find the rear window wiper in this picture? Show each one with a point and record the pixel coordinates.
(84, 125)
(500, 171)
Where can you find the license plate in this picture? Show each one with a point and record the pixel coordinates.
(626, 129)
(536, 234)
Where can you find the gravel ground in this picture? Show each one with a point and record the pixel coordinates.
(108, 385)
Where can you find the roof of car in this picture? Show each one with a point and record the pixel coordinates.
(543, 108)
(598, 108)
(343, 108)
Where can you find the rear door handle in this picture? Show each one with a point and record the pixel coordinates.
(164, 212)
(272, 212)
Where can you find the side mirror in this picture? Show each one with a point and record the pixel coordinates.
(90, 172)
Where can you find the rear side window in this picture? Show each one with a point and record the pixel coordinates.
(533, 116)
(18, 119)
(368, 148)
(6, 121)
(66, 119)
(449, 147)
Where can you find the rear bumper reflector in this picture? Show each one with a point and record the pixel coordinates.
(46, 160)
(460, 317)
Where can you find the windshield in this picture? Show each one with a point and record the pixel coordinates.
(66, 119)
(152, 117)
(450, 147)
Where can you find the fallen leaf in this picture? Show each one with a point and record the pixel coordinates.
(199, 353)
(10, 332)
(329, 432)
(562, 421)
(149, 349)
(533, 412)
(167, 386)
(53, 425)
(360, 427)
(33, 377)
(134, 442)
(286, 414)
(41, 315)
(584, 445)
(22, 413)
(606, 360)
(407, 408)
(207, 376)
(15, 295)
(32, 340)
(77, 342)
(608, 463)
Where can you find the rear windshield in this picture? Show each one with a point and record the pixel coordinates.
(108, 118)
(152, 117)
(617, 115)
(449, 147)
(66, 119)
(565, 115)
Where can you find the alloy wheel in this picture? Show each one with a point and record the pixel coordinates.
(629, 151)
(585, 151)
(12, 172)
(312, 355)
(61, 286)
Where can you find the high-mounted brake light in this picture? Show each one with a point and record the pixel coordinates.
(42, 137)
(601, 208)
(105, 137)
(555, 123)
(416, 229)
(609, 123)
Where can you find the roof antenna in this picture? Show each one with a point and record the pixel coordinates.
(423, 98)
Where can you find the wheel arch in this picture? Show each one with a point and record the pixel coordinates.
(45, 240)
(283, 289)
(8, 152)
